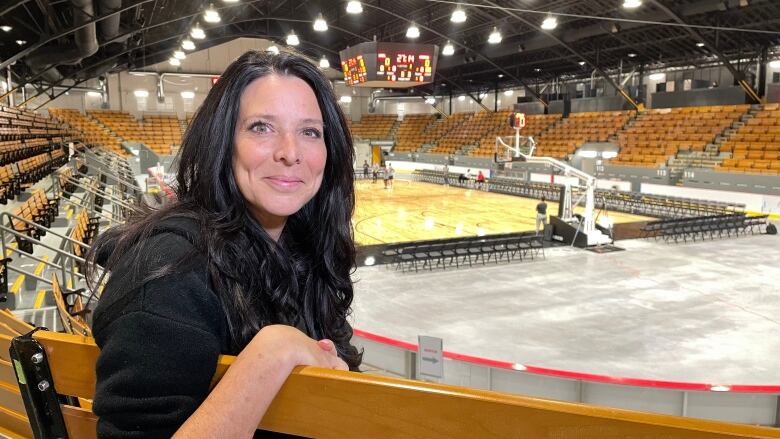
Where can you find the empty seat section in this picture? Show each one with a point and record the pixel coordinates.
(373, 126)
(410, 135)
(755, 147)
(660, 133)
(564, 138)
(89, 130)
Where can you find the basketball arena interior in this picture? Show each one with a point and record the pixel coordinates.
(645, 305)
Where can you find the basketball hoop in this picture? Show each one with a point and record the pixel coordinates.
(514, 148)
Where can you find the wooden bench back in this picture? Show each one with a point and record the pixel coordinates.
(13, 416)
(360, 405)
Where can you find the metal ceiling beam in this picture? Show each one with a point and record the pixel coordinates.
(534, 41)
(594, 65)
(739, 76)
(477, 53)
(47, 40)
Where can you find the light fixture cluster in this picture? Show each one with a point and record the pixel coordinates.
(211, 15)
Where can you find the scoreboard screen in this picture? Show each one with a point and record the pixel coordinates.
(391, 65)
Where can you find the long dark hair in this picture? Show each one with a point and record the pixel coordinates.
(302, 280)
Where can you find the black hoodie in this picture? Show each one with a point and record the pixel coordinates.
(159, 339)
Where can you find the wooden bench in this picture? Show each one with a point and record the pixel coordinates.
(13, 416)
(353, 405)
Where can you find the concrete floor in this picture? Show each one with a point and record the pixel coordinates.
(705, 312)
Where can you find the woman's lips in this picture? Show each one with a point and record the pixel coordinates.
(284, 182)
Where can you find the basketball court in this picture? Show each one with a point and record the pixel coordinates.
(417, 211)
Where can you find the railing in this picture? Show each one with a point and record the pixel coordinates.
(64, 262)
(327, 404)
(748, 404)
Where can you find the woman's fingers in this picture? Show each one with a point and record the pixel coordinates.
(327, 345)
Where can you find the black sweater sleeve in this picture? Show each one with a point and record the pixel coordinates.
(159, 346)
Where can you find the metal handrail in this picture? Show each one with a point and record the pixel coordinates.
(61, 253)
(102, 193)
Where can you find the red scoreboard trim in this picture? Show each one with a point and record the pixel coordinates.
(673, 385)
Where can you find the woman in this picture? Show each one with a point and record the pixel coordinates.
(252, 259)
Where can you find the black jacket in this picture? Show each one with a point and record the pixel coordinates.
(159, 340)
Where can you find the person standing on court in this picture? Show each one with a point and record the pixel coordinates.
(390, 175)
(446, 171)
(541, 215)
(365, 169)
(374, 172)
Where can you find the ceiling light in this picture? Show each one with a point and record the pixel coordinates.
(458, 15)
(495, 36)
(462, 98)
(537, 70)
(550, 23)
(774, 64)
(413, 31)
(179, 54)
(482, 95)
(345, 99)
(582, 63)
(188, 45)
(449, 49)
(631, 4)
(230, 1)
(211, 15)
(324, 63)
(187, 94)
(273, 49)
(6, 28)
(509, 92)
(657, 76)
(320, 25)
(141, 93)
(21, 42)
(632, 55)
(699, 44)
(292, 39)
(354, 7)
(197, 33)
(174, 62)
(95, 94)
(430, 100)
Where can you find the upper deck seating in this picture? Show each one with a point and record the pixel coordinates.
(564, 138)
(755, 147)
(661, 133)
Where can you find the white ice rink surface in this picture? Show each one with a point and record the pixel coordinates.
(703, 312)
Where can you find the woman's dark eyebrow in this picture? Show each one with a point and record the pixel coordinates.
(273, 118)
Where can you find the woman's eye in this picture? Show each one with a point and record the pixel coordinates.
(313, 133)
(260, 127)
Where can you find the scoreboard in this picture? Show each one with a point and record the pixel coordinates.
(390, 65)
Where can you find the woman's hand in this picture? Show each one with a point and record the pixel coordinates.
(236, 405)
(295, 348)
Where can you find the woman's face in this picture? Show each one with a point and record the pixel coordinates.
(279, 152)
